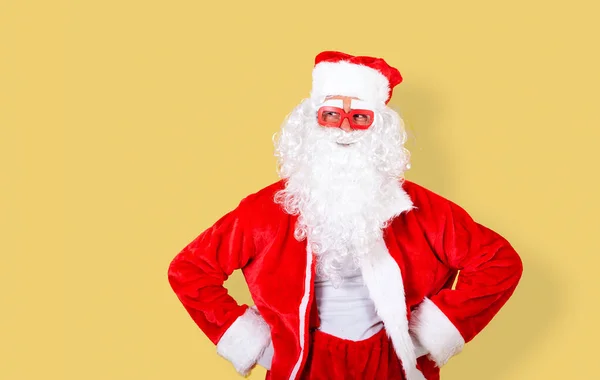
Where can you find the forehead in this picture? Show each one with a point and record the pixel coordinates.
(353, 103)
(340, 97)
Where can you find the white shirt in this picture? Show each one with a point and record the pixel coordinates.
(347, 311)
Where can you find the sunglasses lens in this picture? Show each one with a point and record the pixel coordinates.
(361, 119)
(330, 117)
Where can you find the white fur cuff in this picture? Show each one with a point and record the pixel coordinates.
(245, 340)
(435, 332)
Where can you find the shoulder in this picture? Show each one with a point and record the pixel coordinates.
(262, 199)
(428, 203)
(422, 196)
(266, 193)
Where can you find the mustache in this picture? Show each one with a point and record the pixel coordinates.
(349, 138)
(337, 135)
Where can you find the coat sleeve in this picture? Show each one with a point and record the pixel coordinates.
(489, 270)
(197, 274)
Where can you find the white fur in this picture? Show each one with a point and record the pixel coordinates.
(333, 103)
(245, 341)
(361, 104)
(303, 309)
(435, 332)
(344, 195)
(386, 288)
(349, 79)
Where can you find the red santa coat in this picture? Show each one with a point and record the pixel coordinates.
(409, 277)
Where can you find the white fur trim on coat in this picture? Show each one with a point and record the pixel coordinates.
(245, 341)
(435, 332)
(303, 308)
(349, 79)
(383, 279)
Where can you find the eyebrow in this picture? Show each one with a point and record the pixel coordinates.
(329, 97)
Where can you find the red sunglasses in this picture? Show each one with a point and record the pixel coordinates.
(334, 117)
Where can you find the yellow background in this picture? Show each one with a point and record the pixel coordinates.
(128, 127)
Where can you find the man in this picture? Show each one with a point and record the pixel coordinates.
(350, 266)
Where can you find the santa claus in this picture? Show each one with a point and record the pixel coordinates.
(355, 272)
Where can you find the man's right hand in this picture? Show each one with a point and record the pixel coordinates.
(267, 357)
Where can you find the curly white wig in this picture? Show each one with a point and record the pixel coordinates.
(342, 185)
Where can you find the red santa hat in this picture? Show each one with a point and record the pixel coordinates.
(367, 78)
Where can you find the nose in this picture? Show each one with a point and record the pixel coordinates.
(345, 126)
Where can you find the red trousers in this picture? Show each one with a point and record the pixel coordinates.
(332, 358)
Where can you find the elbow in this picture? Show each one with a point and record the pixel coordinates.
(518, 266)
(514, 266)
(516, 261)
(174, 272)
(509, 258)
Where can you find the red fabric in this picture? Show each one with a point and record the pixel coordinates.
(490, 268)
(371, 359)
(197, 274)
(374, 358)
(391, 73)
(429, 243)
(334, 358)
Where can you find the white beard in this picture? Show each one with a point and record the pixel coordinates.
(344, 195)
